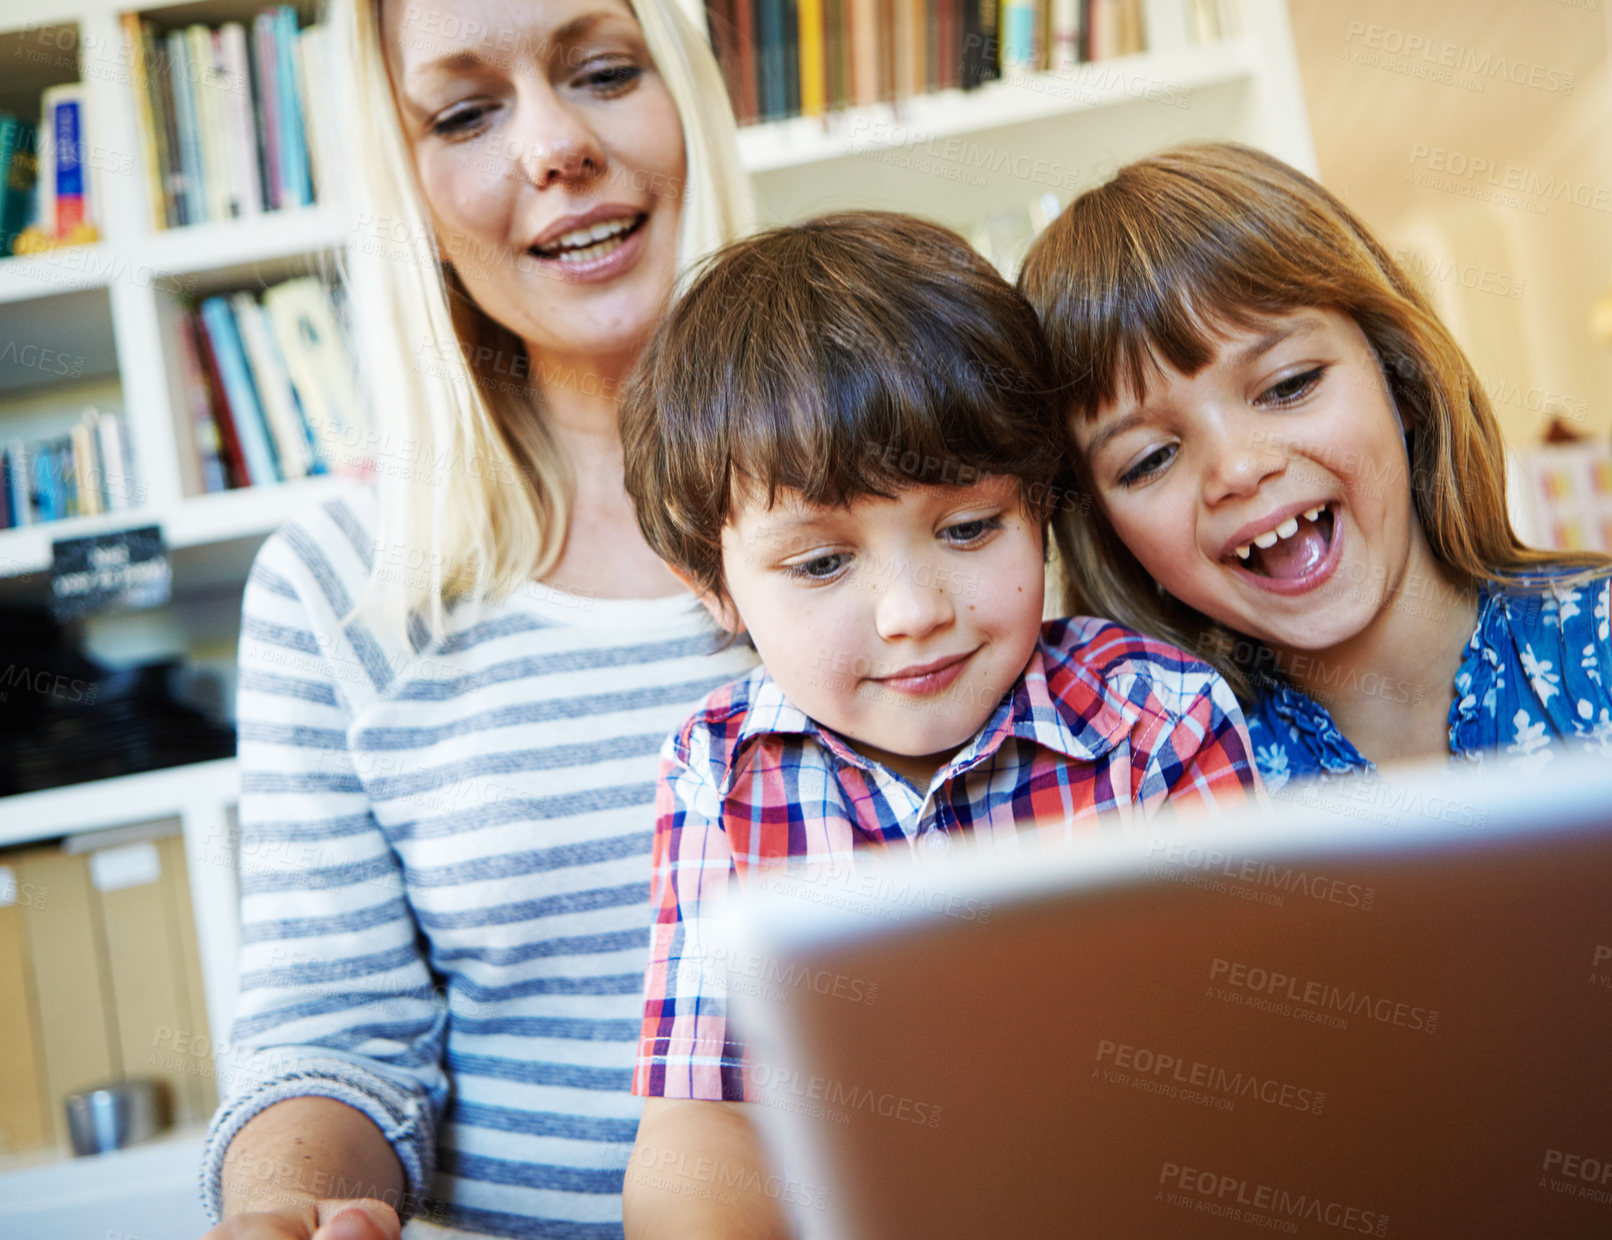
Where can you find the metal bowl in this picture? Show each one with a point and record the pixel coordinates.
(115, 1115)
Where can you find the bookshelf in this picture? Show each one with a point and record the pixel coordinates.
(953, 155)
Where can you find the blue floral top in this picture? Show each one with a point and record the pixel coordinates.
(1535, 672)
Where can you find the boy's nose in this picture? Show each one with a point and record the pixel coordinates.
(911, 603)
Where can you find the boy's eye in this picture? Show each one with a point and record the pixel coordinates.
(1149, 465)
(819, 568)
(964, 533)
(1293, 388)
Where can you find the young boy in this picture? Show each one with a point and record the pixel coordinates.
(844, 439)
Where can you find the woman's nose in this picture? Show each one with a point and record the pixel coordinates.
(913, 602)
(556, 143)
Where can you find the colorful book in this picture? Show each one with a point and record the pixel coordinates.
(212, 382)
(316, 355)
(18, 166)
(140, 87)
(199, 406)
(245, 407)
(87, 471)
(184, 97)
(268, 113)
(117, 470)
(64, 107)
(22, 507)
(293, 448)
(296, 188)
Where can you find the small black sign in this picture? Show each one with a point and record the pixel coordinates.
(126, 570)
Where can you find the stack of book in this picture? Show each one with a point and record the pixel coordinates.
(269, 386)
(83, 473)
(223, 115)
(785, 58)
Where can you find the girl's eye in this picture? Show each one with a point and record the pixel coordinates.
(1149, 465)
(968, 533)
(460, 121)
(821, 568)
(612, 79)
(1292, 389)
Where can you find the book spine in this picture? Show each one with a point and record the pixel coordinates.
(209, 442)
(64, 105)
(7, 514)
(885, 41)
(22, 507)
(304, 324)
(1065, 35)
(117, 476)
(214, 162)
(312, 68)
(245, 408)
(268, 108)
(908, 48)
(296, 186)
(47, 490)
(180, 73)
(234, 458)
(10, 133)
(791, 57)
(243, 133)
(87, 468)
(273, 385)
(991, 40)
(813, 80)
(160, 68)
(140, 88)
(864, 35)
(836, 92)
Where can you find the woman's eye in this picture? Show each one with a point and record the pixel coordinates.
(612, 79)
(820, 568)
(460, 121)
(1149, 465)
(1292, 389)
(966, 533)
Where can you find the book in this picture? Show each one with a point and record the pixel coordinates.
(316, 355)
(813, 74)
(18, 175)
(862, 38)
(180, 75)
(87, 472)
(771, 74)
(21, 475)
(313, 67)
(292, 445)
(296, 184)
(210, 122)
(117, 471)
(236, 95)
(210, 381)
(160, 76)
(140, 88)
(211, 475)
(246, 411)
(268, 108)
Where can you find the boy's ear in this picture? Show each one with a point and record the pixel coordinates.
(722, 612)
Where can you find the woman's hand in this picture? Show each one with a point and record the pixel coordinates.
(351, 1219)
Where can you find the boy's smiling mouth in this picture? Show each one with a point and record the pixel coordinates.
(922, 679)
(1289, 552)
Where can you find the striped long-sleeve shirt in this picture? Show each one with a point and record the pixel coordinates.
(445, 861)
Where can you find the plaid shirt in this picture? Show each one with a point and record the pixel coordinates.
(1103, 722)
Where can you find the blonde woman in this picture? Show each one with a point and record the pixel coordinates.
(454, 685)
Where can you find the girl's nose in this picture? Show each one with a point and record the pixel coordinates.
(913, 603)
(1241, 461)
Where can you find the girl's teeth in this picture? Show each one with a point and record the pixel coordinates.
(1243, 552)
(1314, 514)
(1267, 539)
(1288, 528)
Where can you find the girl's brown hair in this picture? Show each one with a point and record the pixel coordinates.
(1148, 268)
(849, 355)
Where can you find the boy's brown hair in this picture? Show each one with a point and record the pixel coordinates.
(849, 355)
(1152, 265)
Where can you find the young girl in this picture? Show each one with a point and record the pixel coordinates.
(1298, 476)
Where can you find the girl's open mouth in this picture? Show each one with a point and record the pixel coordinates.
(1295, 556)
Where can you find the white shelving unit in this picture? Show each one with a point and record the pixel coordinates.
(954, 156)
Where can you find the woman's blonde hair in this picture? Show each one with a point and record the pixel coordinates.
(1146, 270)
(473, 490)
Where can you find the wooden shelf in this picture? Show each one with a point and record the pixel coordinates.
(249, 512)
(1151, 77)
(102, 804)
